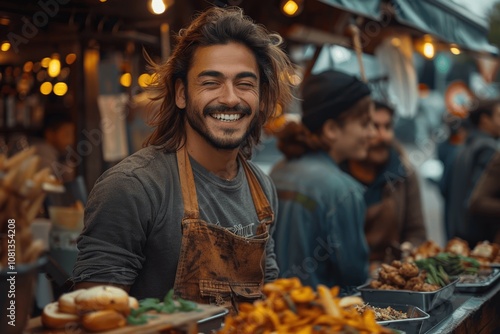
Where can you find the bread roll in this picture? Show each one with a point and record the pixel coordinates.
(102, 297)
(133, 303)
(67, 301)
(53, 318)
(103, 320)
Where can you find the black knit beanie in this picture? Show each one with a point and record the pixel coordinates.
(327, 95)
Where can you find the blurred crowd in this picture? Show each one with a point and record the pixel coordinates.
(349, 198)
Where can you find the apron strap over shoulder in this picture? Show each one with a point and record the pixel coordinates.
(188, 185)
(264, 211)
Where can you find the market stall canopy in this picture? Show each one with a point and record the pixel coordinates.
(447, 21)
(368, 8)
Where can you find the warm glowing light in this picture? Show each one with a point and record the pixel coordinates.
(60, 88)
(126, 79)
(157, 7)
(5, 46)
(428, 50)
(144, 80)
(103, 0)
(45, 62)
(291, 8)
(46, 88)
(28, 66)
(70, 58)
(54, 66)
(455, 50)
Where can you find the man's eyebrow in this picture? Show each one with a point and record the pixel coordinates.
(217, 74)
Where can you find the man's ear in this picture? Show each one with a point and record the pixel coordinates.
(180, 94)
(331, 130)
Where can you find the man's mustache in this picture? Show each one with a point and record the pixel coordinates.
(222, 108)
(381, 146)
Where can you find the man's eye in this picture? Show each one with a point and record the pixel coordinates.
(246, 84)
(209, 83)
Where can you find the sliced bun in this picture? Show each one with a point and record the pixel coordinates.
(103, 320)
(53, 318)
(102, 297)
(67, 301)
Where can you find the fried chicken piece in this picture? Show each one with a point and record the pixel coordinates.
(408, 270)
(458, 246)
(486, 250)
(387, 287)
(388, 268)
(426, 287)
(396, 264)
(383, 276)
(375, 284)
(427, 249)
(414, 283)
(397, 279)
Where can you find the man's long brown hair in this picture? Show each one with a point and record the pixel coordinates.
(218, 26)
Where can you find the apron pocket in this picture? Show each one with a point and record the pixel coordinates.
(215, 292)
(226, 293)
(246, 292)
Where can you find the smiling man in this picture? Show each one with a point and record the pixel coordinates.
(189, 212)
(394, 210)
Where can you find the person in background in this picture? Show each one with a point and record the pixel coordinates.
(484, 204)
(188, 212)
(471, 161)
(447, 153)
(394, 207)
(58, 133)
(319, 235)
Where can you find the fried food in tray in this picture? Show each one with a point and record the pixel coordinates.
(485, 252)
(402, 276)
(290, 307)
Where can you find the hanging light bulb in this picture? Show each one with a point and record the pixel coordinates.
(157, 7)
(292, 7)
(428, 50)
(54, 66)
(455, 49)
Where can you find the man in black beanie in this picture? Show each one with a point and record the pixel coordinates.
(319, 235)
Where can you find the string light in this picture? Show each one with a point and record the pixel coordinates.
(292, 7)
(455, 50)
(157, 7)
(5, 46)
(428, 50)
(54, 67)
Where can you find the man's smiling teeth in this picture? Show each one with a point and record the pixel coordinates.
(227, 117)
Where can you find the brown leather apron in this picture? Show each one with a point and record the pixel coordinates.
(215, 265)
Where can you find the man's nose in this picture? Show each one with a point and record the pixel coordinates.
(229, 95)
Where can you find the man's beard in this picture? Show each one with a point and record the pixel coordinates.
(377, 149)
(196, 121)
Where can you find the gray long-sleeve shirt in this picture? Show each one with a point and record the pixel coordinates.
(132, 233)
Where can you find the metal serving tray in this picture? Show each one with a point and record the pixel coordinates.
(412, 324)
(480, 285)
(213, 323)
(426, 301)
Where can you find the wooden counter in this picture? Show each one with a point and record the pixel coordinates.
(185, 322)
(466, 313)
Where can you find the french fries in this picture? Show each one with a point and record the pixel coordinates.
(290, 307)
